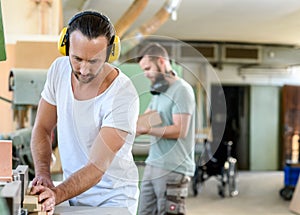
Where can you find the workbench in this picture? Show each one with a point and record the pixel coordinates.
(65, 209)
(14, 194)
(83, 210)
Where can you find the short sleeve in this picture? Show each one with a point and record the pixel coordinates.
(184, 100)
(48, 92)
(123, 108)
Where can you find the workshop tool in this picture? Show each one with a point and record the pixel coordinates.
(21, 174)
(224, 168)
(27, 85)
(16, 194)
(13, 191)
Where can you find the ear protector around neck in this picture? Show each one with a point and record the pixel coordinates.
(114, 46)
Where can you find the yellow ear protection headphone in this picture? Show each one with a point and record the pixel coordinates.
(114, 46)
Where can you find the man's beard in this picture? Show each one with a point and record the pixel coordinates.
(85, 79)
(160, 84)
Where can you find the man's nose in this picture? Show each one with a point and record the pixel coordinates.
(147, 74)
(83, 68)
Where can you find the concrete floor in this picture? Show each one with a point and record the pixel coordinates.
(258, 194)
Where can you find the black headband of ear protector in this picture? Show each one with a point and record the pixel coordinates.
(93, 13)
(65, 40)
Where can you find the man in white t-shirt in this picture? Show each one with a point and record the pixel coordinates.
(95, 107)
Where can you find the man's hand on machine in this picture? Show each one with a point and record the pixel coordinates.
(42, 180)
(46, 197)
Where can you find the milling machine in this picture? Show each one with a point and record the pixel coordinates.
(26, 85)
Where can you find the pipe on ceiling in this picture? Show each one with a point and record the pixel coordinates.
(136, 36)
(130, 16)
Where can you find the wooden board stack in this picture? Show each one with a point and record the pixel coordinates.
(31, 203)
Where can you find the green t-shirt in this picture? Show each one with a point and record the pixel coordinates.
(174, 154)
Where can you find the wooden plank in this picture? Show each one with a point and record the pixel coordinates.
(38, 213)
(149, 119)
(31, 203)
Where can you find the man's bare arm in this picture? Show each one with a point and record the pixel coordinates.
(41, 147)
(103, 151)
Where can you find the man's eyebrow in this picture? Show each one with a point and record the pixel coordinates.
(147, 67)
(75, 56)
(90, 61)
(93, 60)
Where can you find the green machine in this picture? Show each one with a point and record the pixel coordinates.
(26, 85)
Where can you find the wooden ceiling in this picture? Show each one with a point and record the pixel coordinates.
(249, 21)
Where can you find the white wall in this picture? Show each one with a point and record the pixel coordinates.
(231, 74)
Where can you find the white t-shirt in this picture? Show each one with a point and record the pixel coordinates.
(78, 124)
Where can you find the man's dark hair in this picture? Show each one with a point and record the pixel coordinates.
(92, 25)
(154, 51)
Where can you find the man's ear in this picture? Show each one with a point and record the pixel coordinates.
(161, 62)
